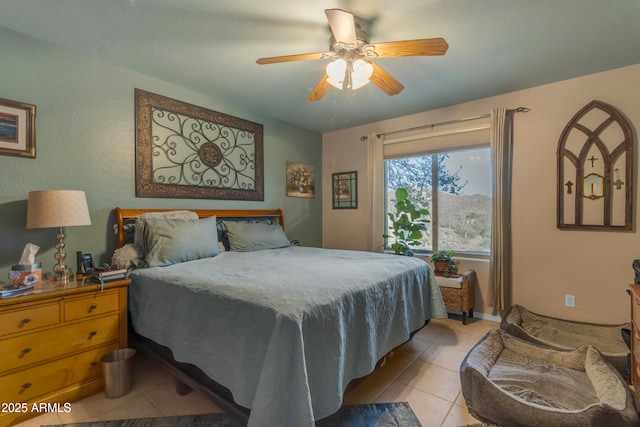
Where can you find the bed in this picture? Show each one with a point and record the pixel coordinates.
(278, 328)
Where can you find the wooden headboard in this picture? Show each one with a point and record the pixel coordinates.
(124, 215)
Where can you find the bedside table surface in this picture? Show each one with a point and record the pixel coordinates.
(47, 289)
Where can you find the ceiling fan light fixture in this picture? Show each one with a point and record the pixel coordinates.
(362, 71)
(350, 50)
(349, 75)
(336, 71)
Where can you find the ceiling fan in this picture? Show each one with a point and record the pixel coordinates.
(351, 53)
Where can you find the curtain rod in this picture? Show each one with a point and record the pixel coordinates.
(449, 122)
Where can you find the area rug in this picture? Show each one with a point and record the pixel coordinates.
(378, 414)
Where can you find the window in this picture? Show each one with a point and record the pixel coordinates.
(460, 209)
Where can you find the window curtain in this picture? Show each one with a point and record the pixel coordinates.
(375, 191)
(501, 142)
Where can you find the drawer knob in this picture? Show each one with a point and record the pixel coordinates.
(92, 334)
(92, 307)
(25, 321)
(26, 385)
(93, 363)
(26, 350)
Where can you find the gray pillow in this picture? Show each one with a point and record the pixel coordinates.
(178, 240)
(141, 221)
(246, 237)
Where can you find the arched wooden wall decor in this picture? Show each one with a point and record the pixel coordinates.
(595, 170)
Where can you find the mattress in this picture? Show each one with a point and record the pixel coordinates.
(285, 330)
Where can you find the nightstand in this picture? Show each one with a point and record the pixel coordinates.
(635, 337)
(51, 341)
(459, 293)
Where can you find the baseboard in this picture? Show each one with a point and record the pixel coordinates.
(476, 315)
(486, 316)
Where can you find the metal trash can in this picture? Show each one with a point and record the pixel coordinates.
(117, 368)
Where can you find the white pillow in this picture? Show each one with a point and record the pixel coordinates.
(128, 256)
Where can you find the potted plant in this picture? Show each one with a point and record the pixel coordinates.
(407, 224)
(443, 263)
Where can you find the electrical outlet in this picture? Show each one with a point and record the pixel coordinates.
(570, 301)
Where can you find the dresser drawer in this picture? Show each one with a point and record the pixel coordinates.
(93, 305)
(29, 383)
(40, 346)
(29, 318)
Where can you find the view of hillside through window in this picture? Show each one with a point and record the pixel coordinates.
(462, 221)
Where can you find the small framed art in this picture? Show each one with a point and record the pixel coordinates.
(345, 190)
(17, 129)
(300, 180)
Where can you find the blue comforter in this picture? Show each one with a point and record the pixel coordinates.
(285, 329)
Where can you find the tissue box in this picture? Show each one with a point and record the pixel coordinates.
(25, 270)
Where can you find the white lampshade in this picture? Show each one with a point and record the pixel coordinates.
(336, 71)
(356, 73)
(57, 208)
(362, 71)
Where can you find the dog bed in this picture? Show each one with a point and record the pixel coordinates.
(568, 335)
(515, 383)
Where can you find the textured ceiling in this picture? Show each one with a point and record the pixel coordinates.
(495, 46)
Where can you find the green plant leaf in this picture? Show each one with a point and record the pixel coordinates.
(401, 194)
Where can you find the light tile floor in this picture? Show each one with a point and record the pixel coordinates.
(423, 372)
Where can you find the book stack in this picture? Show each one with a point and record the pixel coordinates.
(102, 275)
(9, 290)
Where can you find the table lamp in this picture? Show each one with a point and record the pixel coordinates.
(58, 209)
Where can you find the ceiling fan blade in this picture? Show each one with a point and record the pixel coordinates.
(342, 26)
(385, 81)
(421, 47)
(289, 58)
(320, 90)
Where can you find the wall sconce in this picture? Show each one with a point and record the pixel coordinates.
(593, 186)
(348, 74)
(58, 209)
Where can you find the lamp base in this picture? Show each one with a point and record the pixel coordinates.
(60, 278)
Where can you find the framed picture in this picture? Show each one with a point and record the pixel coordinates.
(17, 129)
(186, 151)
(300, 180)
(345, 190)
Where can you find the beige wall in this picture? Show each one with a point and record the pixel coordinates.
(549, 263)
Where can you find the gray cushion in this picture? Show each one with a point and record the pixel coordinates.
(178, 240)
(567, 335)
(246, 237)
(515, 383)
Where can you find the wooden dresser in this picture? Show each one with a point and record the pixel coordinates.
(635, 337)
(51, 343)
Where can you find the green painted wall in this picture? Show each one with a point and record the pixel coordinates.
(85, 141)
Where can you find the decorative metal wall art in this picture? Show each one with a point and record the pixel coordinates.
(300, 180)
(345, 190)
(17, 129)
(185, 151)
(595, 170)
